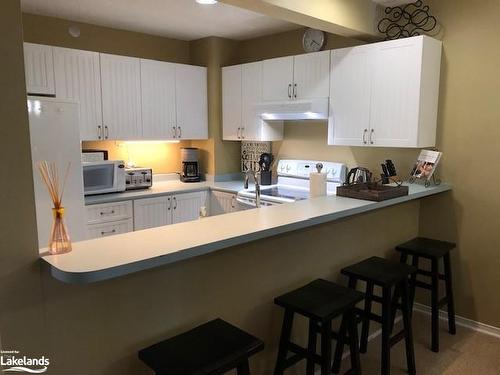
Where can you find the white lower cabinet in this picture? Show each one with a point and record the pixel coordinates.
(171, 209)
(152, 212)
(222, 203)
(110, 229)
(107, 219)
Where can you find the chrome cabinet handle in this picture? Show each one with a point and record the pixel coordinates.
(106, 132)
(233, 201)
(174, 132)
(107, 213)
(99, 132)
(180, 132)
(170, 205)
(290, 90)
(238, 133)
(364, 136)
(371, 136)
(103, 232)
(242, 130)
(295, 90)
(175, 200)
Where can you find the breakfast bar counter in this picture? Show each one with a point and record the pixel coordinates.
(110, 257)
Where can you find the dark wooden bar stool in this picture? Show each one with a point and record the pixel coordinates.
(434, 251)
(391, 277)
(213, 348)
(320, 301)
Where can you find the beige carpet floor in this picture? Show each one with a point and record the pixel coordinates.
(466, 353)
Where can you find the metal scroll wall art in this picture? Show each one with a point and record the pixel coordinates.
(406, 21)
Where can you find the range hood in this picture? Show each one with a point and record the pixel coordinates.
(306, 109)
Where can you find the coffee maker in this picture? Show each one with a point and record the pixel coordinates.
(190, 166)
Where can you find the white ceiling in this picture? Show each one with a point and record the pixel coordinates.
(181, 19)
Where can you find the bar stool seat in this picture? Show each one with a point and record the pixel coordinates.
(212, 348)
(435, 251)
(380, 271)
(392, 277)
(426, 247)
(321, 301)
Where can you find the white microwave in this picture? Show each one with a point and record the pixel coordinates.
(100, 177)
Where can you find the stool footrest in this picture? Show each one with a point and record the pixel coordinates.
(371, 316)
(302, 353)
(397, 338)
(429, 274)
(421, 284)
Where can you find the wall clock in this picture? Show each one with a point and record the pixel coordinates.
(313, 40)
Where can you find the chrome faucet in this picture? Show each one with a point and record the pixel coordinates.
(255, 175)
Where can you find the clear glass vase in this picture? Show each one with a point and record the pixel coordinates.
(59, 241)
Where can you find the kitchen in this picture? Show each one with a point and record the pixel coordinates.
(180, 251)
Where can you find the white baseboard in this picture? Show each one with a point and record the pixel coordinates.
(461, 321)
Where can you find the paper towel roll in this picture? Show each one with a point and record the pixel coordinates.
(317, 184)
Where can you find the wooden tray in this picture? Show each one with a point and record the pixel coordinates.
(372, 192)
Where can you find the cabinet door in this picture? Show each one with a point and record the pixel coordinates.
(349, 118)
(277, 79)
(395, 93)
(39, 69)
(231, 102)
(109, 229)
(251, 94)
(191, 101)
(158, 99)
(121, 96)
(152, 212)
(78, 78)
(222, 203)
(186, 207)
(311, 75)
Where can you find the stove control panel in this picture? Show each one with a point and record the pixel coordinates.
(302, 168)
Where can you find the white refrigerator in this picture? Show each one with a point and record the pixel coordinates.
(55, 137)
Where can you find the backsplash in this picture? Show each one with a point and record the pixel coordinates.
(161, 157)
(308, 140)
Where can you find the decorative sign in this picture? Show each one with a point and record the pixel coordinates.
(406, 21)
(250, 154)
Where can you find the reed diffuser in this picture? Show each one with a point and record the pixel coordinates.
(59, 241)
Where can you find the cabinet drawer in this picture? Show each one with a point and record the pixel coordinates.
(103, 213)
(110, 229)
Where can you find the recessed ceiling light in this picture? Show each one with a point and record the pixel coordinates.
(207, 2)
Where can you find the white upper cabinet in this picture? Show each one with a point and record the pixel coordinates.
(403, 85)
(251, 84)
(121, 97)
(39, 69)
(311, 75)
(277, 79)
(191, 101)
(158, 100)
(232, 102)
(78, 79)
(242, 87)
(349, 117)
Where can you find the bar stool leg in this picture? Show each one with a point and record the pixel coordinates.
(449, 295)
(243, 368)
(353, 344)
(413, 280)
(286, 331)
(339, 348)
(366, 318)
(386, 331)
(311, 347)
(326, 347)
(410, 353)
(435, 306)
